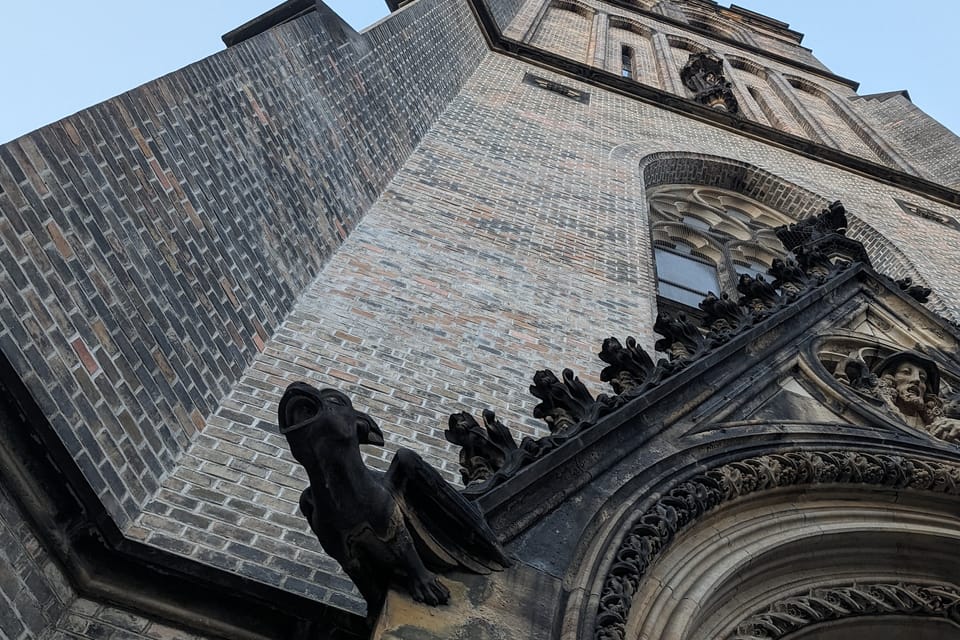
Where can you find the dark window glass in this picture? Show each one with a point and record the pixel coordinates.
(754, 269)
(683, 278)
(626, 61)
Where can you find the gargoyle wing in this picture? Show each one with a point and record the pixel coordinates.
(449, 531)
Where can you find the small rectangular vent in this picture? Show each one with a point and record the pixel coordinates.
(556, 87)
(927, 214)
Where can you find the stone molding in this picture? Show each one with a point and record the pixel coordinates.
(654, 530)
(835, 603)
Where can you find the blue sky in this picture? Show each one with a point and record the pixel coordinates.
(61, 56)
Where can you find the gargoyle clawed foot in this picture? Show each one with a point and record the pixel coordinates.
(428, 589)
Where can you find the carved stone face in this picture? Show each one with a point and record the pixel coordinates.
(910, 381)
(314, 420)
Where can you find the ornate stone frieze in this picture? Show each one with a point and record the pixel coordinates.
(703, 76)
(658, 525)
(381, 528)
(835, 603)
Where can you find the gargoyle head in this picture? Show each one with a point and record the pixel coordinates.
(311, 418)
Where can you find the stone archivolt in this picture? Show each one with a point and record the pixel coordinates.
(682, 505)
(834, 603)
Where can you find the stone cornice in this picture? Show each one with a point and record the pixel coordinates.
(611, 82)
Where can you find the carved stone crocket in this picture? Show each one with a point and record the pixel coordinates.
(383, 528)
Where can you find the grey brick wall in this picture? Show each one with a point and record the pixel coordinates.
(33, 590)
(89, 620)
(927, 143)
(504, 11)
(514, 238)
(153, 243)
(784, 96)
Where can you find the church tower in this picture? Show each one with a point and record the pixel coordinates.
(665, 302)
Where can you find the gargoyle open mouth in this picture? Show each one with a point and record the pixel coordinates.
(298, 406)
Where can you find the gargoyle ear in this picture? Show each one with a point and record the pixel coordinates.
(368, 432)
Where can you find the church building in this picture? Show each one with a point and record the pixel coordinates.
(500, 319)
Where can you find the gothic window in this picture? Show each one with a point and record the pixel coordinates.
(705, 238)
(626, 61)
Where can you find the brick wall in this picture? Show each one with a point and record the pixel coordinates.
(153, 243)
(514, 238)
(33, 590)
(565, 29)
(783, 96)
(504, 11)
(89, 620)
(933, 148)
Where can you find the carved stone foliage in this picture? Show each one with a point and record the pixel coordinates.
(383, 529)
(821, 251)
(703, 76)
(487, 459)
(628, 367)
(850, 601)
(682, 505)
(906, 384)
(565, 403)
(483, 450)
(823, 237)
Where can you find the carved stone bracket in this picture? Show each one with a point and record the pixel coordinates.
(850, 601)
(657, 526)
(703, 75)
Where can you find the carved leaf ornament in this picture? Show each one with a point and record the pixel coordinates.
(841, 602)
(568, 407)
(653, 530)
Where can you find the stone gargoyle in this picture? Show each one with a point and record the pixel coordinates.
(383, 528)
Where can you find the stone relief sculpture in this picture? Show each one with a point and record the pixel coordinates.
(909, 384)
(383, 528)
(703, 76)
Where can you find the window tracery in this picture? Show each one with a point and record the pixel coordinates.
(705, 238)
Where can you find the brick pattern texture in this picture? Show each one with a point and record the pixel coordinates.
(33, 590)
(89, 620)
(818, 108)
(513, 237)
(153, 243)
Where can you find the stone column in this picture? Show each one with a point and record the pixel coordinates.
(667, 70)
(805, 119)
(601, 23)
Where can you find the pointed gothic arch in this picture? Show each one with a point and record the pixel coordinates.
(709, 549)
(768, 189)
